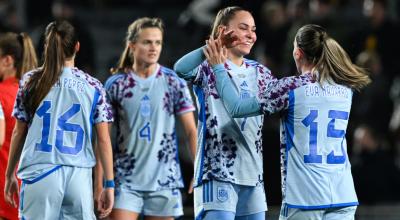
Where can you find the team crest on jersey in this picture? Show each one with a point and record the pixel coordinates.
(222, 194)
(145, 108)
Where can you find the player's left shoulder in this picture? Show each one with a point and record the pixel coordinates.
(91, 80)
(260, 67)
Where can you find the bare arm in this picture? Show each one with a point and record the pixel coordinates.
(2, 131)
(104, 153)
(17, 143)
(189, 127)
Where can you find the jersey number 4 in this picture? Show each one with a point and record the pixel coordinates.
(62, 126)
(309, 121)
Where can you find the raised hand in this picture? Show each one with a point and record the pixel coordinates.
(228, 38)
(215, 52)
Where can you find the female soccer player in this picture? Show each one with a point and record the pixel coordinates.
(315, 107)
(17, 56)
(229, 167)
(56, 107)
(147, 98)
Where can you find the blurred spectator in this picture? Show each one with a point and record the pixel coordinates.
(373, 104)
(380, 35)
(64, 10)
(272, 34)
(375, 175)
(298, 15)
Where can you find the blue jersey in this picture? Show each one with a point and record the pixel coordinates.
(315, 167)
(146, 152)
(60, 130)
(229, 149)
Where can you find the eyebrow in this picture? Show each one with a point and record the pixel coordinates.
(247, 25)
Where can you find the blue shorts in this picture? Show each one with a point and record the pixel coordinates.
(150, 203)
(239, 199)
(338, 213)
(63, 193)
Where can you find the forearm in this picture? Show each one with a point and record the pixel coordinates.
(189, 127)
(2, 131)
(185, 67)
(98, 169)
(192, 142)
(234, 105)
(104, 151)
(17, 143)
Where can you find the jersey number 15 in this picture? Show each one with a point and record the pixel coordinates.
(309, 121)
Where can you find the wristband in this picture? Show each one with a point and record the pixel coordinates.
(109, 184)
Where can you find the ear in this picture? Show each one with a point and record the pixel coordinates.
(298, 53)
(8, 60)
(77, 47)
(131, 46)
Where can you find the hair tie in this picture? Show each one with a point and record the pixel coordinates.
(20, 38)
(322, 37)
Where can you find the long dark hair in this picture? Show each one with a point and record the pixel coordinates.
(59, 46)
(330, 59)
(126, 60)
(20, 47)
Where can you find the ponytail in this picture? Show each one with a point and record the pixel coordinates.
(330, 60)
(20, 48)
(29, 60)
(126, 59)
(335, 64)
(59, 46)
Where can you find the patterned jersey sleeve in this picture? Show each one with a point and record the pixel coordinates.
(276, 97)
(1, 112)
(103, 112)
(19, 111)
(182, 99)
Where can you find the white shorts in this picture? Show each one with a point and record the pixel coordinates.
(150, 203)
(63, 193)
(339, 213)
(239, 199)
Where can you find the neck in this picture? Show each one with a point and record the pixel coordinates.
(9, 74)
(306, 68)
(69, 63)
(144, 70)
(238, 60)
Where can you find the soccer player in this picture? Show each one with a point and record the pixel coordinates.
(17, 56)
(56, 107)
(315, 108)
(229, 166)
(147, 98)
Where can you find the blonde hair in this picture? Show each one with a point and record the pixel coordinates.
(223, 17)
(330, 59)
(20, 47)
(126, 60)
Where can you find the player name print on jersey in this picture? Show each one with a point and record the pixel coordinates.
(326, 91)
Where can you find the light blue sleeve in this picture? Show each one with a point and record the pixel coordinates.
(238, 108)
(187, 66)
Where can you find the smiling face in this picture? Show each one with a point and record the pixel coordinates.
(244, 28)
(147, 47)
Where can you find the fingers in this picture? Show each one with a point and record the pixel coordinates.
(11, 193)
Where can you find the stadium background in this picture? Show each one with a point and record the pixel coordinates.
(368, 29)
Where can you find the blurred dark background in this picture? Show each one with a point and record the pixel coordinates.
(367, 29)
